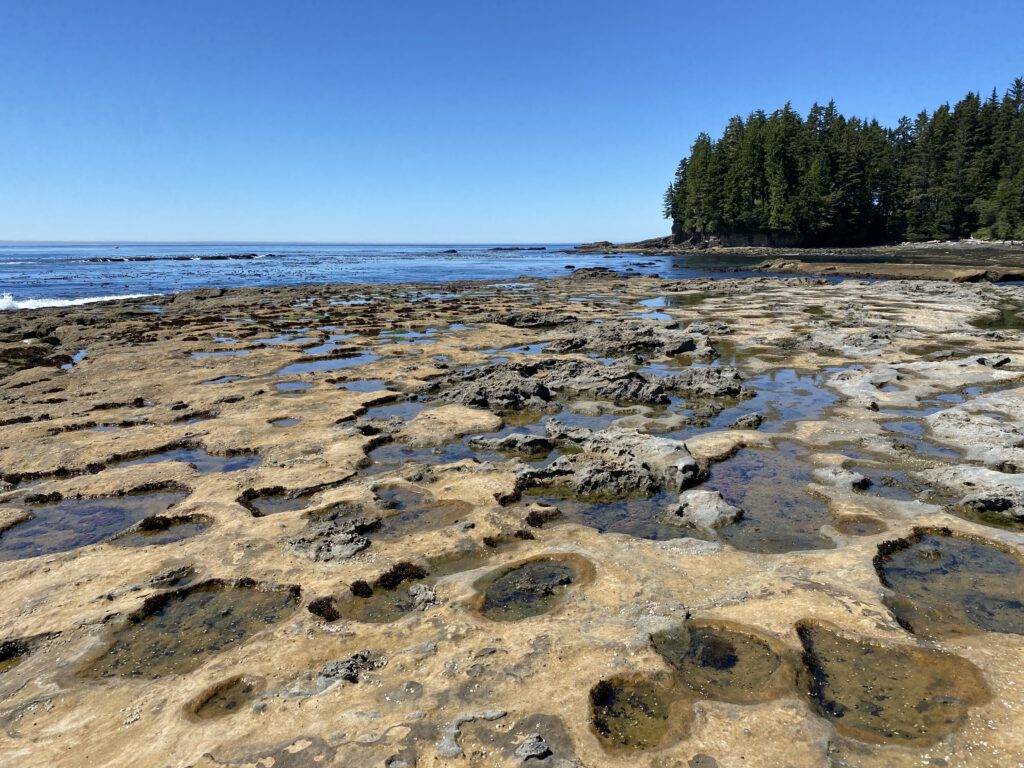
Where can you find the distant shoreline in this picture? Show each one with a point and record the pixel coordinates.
(956, 261)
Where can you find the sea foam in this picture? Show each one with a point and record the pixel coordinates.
(8, 302)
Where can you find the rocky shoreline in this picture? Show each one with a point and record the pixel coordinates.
(594, 520)
(959, 261)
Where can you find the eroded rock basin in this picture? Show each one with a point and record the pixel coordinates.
(899, 694)
(945, 584)
(174, 633)
(72, 523)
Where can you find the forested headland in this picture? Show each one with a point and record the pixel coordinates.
(829, 180)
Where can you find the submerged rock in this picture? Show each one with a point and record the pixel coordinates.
(888, 694)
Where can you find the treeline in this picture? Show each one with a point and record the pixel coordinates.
(780, 179)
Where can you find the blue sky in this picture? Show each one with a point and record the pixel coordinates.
(409, 121)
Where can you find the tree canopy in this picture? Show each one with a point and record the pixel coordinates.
(782, 179)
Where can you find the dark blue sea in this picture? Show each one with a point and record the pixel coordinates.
(37, 275)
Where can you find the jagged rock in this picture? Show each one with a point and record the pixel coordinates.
(537, 515)
(533, 747)
(628, 338)
(709, 328)
(994, 361)
(333, 536)
(1008, 507)
(350, 669)
(423, 597)
(707, 382)
(534, 385)
(704, 510)
(525, 318)
(613, 464)
(516, 443)
(748, 421)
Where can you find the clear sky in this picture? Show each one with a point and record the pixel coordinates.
(444, 121)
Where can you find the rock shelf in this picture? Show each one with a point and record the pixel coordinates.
(778, 522)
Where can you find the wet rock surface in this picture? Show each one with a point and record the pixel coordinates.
(400, 442)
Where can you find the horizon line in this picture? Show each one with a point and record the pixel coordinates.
(285, 242)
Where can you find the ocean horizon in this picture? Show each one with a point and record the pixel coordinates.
(36, 275)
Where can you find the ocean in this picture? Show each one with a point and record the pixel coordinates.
(36, 275)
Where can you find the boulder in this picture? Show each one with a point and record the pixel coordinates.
(703, 510)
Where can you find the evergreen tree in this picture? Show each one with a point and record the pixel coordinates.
(829, 180)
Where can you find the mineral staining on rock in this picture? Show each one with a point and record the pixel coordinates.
(480, 543)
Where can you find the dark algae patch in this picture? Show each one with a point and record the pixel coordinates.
(12, 653)
(527, 589)
(720, 662)
(72, 523)
(633, 713)
(225, 699)
(175, 632)
(947, 584)
(887, 694)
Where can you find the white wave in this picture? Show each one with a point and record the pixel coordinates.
(8, 302)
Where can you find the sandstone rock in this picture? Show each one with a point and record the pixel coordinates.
(704, 510)
(841, 478)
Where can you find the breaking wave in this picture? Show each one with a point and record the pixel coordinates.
(8, 302)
